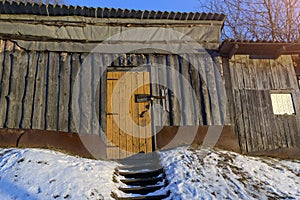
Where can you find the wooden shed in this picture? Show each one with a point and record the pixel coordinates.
(45, 47)
(150, 80)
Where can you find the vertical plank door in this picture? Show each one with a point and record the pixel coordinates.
(128, 123)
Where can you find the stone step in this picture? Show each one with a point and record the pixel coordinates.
(142, 197)
(143, 181)
(141, 190)
(142, 177)
(147, 166)
(141, 158)
(140, 174)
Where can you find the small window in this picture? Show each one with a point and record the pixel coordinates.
(282, 104)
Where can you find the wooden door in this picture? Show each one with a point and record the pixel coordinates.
(128, 128)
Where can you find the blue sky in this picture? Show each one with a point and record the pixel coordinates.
(162, 5)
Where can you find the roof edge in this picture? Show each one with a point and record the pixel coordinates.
(259, 49)
(64, 10)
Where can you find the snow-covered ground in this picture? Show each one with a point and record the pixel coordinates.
(227, 175)
(36, 174)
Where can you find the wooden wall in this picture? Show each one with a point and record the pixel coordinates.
(182, 108)
(36, 88)
(36, 92)
(248, 85)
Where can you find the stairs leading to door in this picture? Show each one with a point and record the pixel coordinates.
(140, 177)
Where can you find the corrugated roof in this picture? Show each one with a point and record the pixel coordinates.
(231, 47)
(63, 10)
(253, 41)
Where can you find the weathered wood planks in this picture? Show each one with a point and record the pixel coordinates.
(47, 78)
(64, 76)
(36, 92)
(74, 67)
(18, 60)
(5, 73)
(52, 96)
(252, 82)
(38, 114)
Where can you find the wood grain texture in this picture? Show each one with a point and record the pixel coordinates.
(155, 89)
(129, 135)
(147, 116)
(52, 92)
(38, 117)
(176, 97)
(129, 106)
(163, 91)
(123, 106)
(141, 109)
(64, 91)
(205, 92)
(187, 92)
(135, 114)
(4, 83)
(75, 67)
(258, 128)
(19, 61)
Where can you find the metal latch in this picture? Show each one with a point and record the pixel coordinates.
(112, 113)
(139, 98)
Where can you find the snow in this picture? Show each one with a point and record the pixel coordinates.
(33, 174)
(227, 175)
(42, 174)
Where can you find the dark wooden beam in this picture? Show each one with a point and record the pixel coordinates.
(233, 50)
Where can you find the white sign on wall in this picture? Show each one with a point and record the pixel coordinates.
(282, 104)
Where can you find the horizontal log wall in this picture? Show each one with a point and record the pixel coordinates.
(248, 86)
(36, 89)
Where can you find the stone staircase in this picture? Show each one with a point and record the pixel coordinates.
(140, 177)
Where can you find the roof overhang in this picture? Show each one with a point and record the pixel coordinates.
(258, 49)
(11, 7)
(80, 29)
